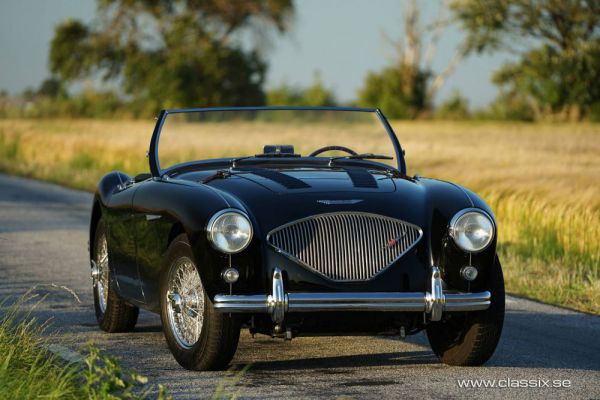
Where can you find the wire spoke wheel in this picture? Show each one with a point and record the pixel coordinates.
(101, 281)
(112, 312)
(185, 302)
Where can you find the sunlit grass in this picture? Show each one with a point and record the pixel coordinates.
(28, 370)
(540, 179)
(550, 251)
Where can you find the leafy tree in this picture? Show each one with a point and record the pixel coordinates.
(407, 88)
(52, 88)
(508, 105)
(171, 53)
(285, 95)
(316, 95)
(557, 43)
(400, 91)
(456, 107)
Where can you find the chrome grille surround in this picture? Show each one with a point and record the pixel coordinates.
(345, 246)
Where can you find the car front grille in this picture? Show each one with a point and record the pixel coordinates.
(346, 246)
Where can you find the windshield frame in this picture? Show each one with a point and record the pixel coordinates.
(153, 158)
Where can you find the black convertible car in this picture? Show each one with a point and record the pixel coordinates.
(292, 221)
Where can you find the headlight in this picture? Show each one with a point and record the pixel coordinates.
(472, 230)
(229, 231)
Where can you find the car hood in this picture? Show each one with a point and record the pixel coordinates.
(319, 181)
(270, 204)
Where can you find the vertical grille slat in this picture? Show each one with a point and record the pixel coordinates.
(346, 246)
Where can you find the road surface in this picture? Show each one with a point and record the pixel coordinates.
(43, 242)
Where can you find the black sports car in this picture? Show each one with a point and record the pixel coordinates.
(292, 239)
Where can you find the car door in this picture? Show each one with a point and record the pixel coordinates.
(122, 244)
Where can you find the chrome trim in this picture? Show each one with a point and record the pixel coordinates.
(230, 275)
(336, 202)
(345, 246)
(124, 185)
(463, 212)
(278, 303)
(465, 274)
(153, 217)
(435, 300)
(212, 220)
(95, 271)
(175, 302)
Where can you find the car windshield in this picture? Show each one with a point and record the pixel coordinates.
(193, 135)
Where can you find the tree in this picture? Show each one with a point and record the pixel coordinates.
(556, 42)
(399, 91)
(171, 53)
(285, 95)
(52, 88)
(456, 107)
(408, 88)
(316, 95)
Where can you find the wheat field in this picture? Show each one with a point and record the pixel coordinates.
(542, 180)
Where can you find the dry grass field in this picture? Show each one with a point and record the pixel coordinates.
(541, 180)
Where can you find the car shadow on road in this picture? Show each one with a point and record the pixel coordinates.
(347, 361)
(545, 340)
(562, 339)
(558, 339)
(541, 339)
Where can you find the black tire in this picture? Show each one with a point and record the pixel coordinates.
(118, 315)
(219, 334)
(470, 338)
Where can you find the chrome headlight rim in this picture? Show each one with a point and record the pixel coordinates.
(462, 213)
(215, 218)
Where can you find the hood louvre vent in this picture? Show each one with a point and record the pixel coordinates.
(361, 178)
(287, 181)
(346, 246)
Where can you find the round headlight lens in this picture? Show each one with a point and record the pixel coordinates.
(230, 231)
(472, 231)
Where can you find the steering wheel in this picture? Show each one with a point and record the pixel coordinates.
(331, 148)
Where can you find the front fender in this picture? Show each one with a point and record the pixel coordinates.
(446, 199)
(177, 207)
(108, 185)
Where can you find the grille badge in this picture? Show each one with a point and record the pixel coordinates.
(394, 242)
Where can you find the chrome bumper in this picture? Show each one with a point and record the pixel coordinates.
(278, 303)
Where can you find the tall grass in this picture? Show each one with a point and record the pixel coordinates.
(540, 179)
(549, 251)
(28, 370)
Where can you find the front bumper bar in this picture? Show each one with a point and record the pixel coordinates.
(279, 303)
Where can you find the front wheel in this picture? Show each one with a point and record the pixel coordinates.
(112, 313)
(198, 337)
(470, 338)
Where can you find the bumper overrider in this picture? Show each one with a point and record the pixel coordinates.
(433, 302)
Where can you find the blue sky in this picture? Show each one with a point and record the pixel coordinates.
(342, 39)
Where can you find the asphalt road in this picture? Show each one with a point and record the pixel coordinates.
(43, 242)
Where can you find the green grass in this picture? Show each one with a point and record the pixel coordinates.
(550, 252)
(29, 371)
(9, 148)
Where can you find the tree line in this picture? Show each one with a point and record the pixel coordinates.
(153, 54)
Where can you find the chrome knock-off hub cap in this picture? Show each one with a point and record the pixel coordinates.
(185, 303)
(100, 273)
